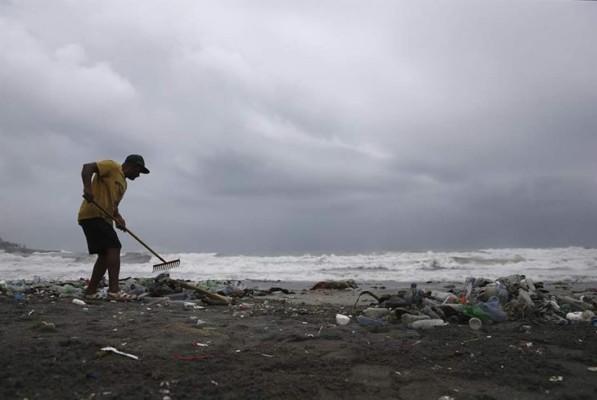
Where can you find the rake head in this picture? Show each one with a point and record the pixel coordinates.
(166, 265)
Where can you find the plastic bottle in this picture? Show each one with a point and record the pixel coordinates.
(503, 294)
(475, 311)
(440, 295)
(575, 316)
(580, 316)
(493, 309)
(370, 322)
(79, 302)
(409, 318)
(136, 289)
(3, 287)
(429, 312)
(18, 290)
(67, 290)
(376, 312)
(469, 283)
(525, 297)
(415, 296)
(427, 323)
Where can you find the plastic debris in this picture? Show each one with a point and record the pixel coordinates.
(475, 323)
(427, 323)
(370, 322)
(114, 350)
(480, 302)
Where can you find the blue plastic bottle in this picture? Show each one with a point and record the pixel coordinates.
(493, 309)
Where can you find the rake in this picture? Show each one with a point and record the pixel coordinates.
(164, 265)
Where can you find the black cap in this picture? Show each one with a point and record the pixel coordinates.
(137, 159)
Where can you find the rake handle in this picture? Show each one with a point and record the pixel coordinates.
(127, 230)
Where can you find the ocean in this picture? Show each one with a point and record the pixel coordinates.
(571, 264)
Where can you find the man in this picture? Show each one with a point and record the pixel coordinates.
(104, 182)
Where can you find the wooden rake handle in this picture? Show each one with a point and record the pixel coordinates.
(127, 230)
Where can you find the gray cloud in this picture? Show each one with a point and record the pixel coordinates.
(305, 126)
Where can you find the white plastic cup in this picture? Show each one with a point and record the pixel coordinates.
(79, 302)
(475, 324)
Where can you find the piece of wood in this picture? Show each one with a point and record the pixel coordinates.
(211, 295)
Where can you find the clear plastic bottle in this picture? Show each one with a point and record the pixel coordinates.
(493, 308)
(370, 322)
(427, 323)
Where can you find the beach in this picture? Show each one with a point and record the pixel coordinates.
(284, 344)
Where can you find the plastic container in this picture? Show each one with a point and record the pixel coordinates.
(475, 323)
(370, 322)
(503, 294)
(493, 308)
(409, 318)
(415, 296)
(574, 316)
(376, 312)
(440, 295)
(67, 290)
(427, 323)
(79, 302)
(580, 316)
(136, 289)
(475, 311)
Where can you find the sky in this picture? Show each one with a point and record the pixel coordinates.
(304, 126)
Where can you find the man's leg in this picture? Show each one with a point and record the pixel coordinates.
(99, 270)
(112, 262)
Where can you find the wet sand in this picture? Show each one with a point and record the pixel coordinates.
(283, 346)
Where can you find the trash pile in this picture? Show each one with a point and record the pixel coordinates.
(163, 286)
(479, 302)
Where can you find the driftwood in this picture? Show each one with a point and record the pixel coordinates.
(213, 296)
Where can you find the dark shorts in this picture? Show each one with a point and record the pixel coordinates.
(100, 235)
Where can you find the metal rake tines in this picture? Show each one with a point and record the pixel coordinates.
(166, 265)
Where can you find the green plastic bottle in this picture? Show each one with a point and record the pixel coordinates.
(476, 312)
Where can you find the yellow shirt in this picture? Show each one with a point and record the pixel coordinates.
(108, 187)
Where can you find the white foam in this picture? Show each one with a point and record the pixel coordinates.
(571, 263)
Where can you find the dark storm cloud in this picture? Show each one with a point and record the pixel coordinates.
(304, 126)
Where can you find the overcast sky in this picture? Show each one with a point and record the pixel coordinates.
(297, 126)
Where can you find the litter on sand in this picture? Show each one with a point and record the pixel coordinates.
(114, 350)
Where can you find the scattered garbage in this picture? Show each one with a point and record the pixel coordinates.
(478, 302)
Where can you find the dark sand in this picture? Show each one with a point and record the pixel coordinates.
(282, 346)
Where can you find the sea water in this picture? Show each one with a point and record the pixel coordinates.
(573, 264)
